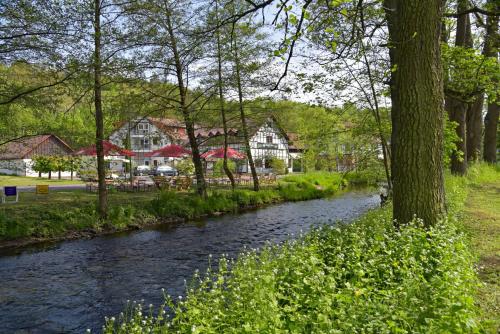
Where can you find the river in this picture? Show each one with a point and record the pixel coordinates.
(70, 286)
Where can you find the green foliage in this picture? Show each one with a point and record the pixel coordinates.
(469, 72)
(450, 140)
(185, 167)
(42, 164)
(364, 277)
(219, 167)
(366, 176)
(170, 204)
(309, 186)
(278, 166)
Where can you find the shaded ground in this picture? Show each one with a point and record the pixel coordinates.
(483, 222)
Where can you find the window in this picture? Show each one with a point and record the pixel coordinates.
(142, 128)
(268, 163)
(258, 163)
(269, 139)
(156, 141)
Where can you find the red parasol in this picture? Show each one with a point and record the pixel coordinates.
(219, 154)
(109, 150)
(170, 151)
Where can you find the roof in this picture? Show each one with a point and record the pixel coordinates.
(109, 150)
(20, 148)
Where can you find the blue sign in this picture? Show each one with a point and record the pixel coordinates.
(10, 191)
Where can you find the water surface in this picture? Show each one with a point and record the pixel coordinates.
(70, 286)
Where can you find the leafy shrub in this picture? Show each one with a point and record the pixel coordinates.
(185, 167)
(219, 167)
(366, 176)
(364, 277)
(278, 166)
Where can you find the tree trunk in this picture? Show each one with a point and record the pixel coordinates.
(491, 119)
(188, 120)
(457, 109)
(244, 126)
(59, 174)
(457, 113)
(221, 98)
(99, 118)
(50, 174)
(474, 128)
(490, 133)
(418, 115)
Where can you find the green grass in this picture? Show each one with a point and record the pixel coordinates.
(63, 212)
(59, 212)
(12, 180)
(364, 277)
(482, 220)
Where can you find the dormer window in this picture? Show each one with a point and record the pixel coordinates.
(143, 127)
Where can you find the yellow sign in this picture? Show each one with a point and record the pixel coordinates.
(42, 189)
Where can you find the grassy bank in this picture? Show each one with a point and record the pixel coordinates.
(482, 221)
(364, 277)
(21, 181)
(68, 212)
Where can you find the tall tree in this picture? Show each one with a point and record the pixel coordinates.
(227, 170)
(417, 109)
(491, 47)
(455, 105)
(243, 117)
(99, 118)
(172, 46)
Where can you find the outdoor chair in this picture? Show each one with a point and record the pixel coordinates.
(161, 182)
(183, 183)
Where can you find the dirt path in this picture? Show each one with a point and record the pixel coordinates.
(483, 222)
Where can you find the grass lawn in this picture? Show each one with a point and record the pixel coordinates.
(12, 180)
(483, 222)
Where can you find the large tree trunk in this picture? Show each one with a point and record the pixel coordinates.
(188, 120)
(244, 126)
(492, 42)
(418, 115)
(99, 119)
(221, 98)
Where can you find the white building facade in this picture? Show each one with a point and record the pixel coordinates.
(144, 135)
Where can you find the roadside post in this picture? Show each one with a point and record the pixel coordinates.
(10, 191)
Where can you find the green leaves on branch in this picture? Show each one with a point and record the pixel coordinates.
(469, 73)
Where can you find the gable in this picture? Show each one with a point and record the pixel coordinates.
(29, 146)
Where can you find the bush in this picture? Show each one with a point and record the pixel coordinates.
(185, 167)
(309, 186)
(278, 166)
(366, 176)
(364, 277)
(219, 167)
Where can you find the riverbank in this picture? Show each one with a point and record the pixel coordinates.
(67, 215)
(366, 276)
